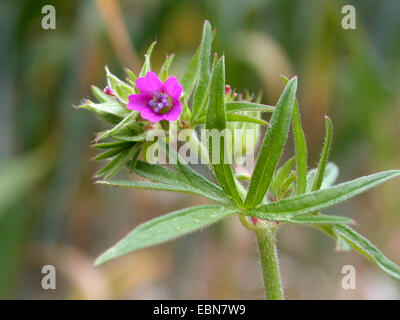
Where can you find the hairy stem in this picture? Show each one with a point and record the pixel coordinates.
(265, 234)
(269, 262)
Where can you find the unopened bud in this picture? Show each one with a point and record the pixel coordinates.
(108, 91)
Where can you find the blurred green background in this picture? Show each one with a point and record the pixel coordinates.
(52, 213)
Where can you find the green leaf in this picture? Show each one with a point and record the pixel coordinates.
(147, 65)
(166, 228)
(165, 67)
(324, 155)
(366, 248)
(281, 175)
(110, 145)
(232, 117)
(111, 153)
(320, 219)
(287, 187)
(324, 198)
(243, 118)
(121, 88)
(201, 95)
(272, 146)
(216, 119)
(301, 151)
(194, 179)
(341, 243)
(148, 185)
(300, 146)
(117, 163)
(330, 176)
(100, 95)
(248, 106)
(111, 112)
(131, 76)
(129, 119)
(171, 177)
(160, 173)
(130, 136)
(191, 75)
(131, 164)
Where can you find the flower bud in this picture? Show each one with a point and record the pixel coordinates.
(108, 91)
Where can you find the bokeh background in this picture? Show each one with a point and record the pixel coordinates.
(52, 213)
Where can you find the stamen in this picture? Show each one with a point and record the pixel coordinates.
(159, 101)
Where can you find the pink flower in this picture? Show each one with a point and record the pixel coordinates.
(157, 101)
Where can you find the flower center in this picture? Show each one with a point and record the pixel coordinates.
(160, 103)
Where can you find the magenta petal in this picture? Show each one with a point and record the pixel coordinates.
(149, 84)
(174, 113)
(151, 115)
(139, 102)
(173, 88)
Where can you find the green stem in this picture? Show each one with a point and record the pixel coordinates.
(269, 262)
(265, 234)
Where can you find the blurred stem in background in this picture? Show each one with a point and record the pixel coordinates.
(118, 34)
(18, 178)
(64, 182)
